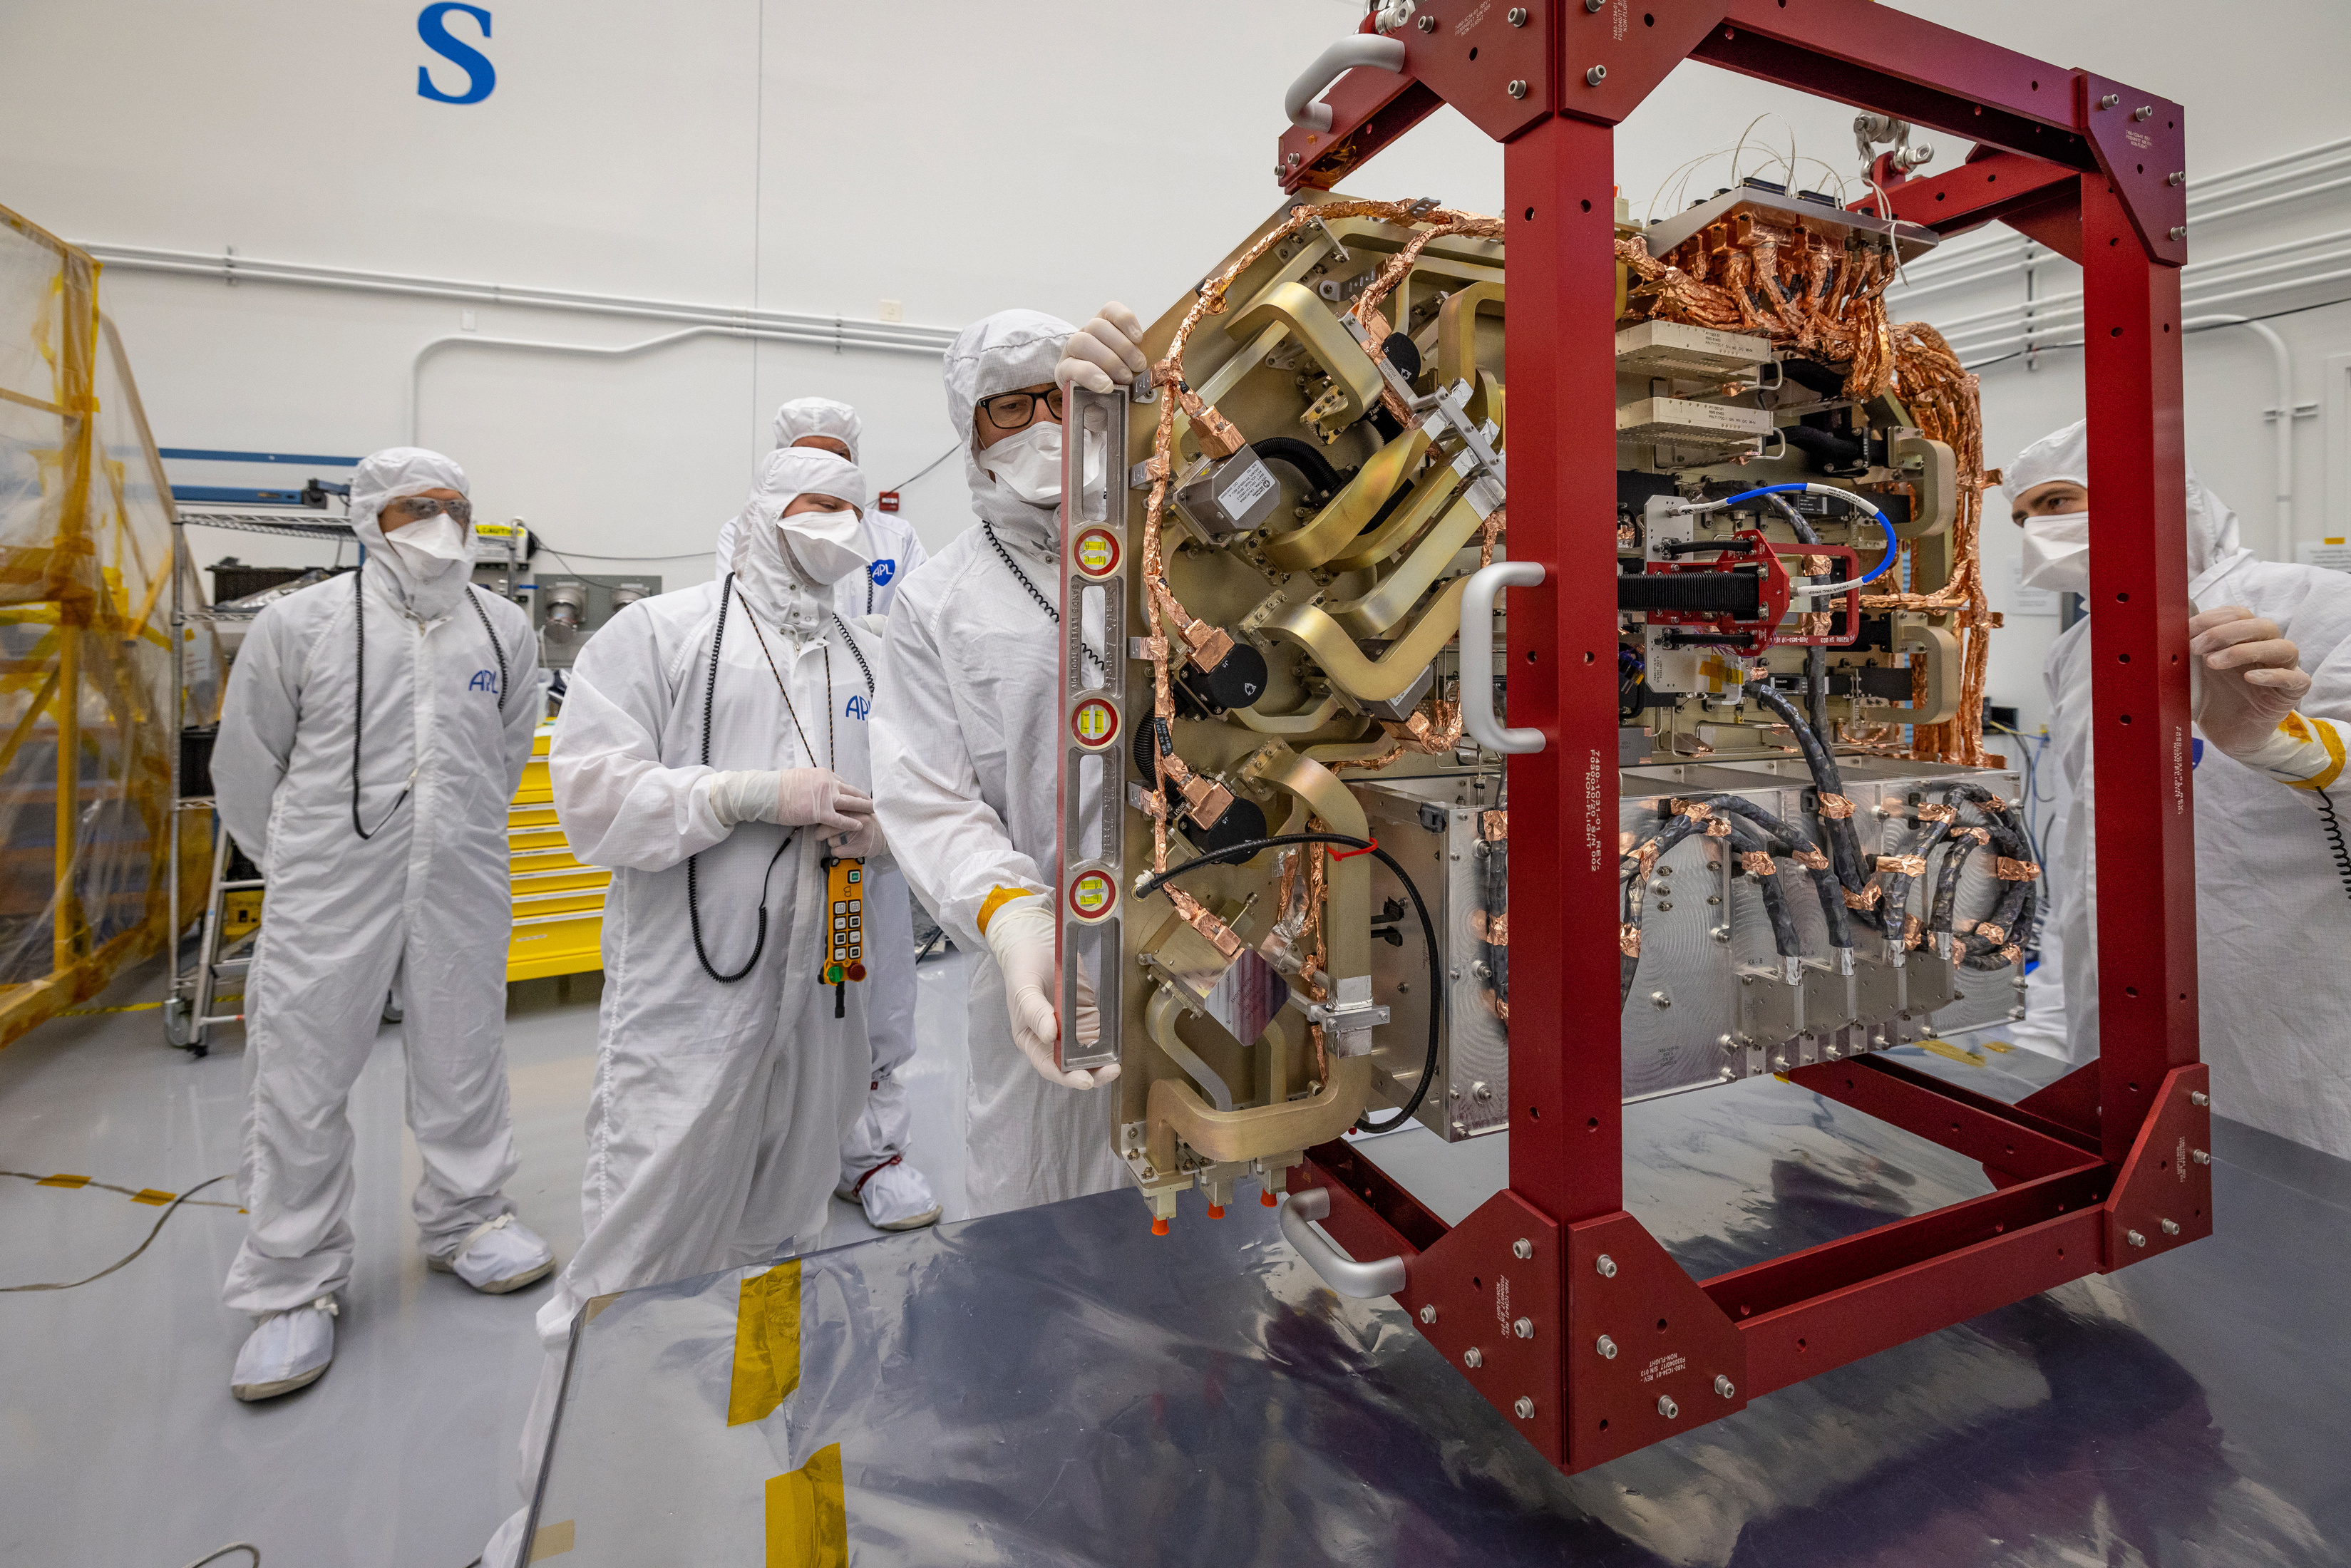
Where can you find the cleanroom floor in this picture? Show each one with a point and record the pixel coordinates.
(119, 1443)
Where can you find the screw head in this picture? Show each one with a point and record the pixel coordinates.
(1525, 1327)
(2179, 231)
(1607, 1348)
(2144, 111)
(1593, 4)
(1595, 75)
(1523, 1247)
(1606, 1265)
(1428, 1315)
(1291, 161)
(2176, 177)
(1429, 24)
(2134, 1237)
(1518, 17)
(2201, 1156)
(1724, 1387)
(2111, 100)
(1518, 90)
(2199, 1098)
(2171, 1227)
(1666, 1408)
(1660, 1000)
(1525, 1407)
(1473, 1357)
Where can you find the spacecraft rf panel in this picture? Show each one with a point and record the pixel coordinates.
(1745, 822)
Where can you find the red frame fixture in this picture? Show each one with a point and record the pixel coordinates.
(1556, 1303)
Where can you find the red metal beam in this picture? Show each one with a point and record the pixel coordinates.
(1983, 190)
(1566, 1050)
(2144, 1010)
(1835, 1303)
(1876, 57)
(2012, 1144)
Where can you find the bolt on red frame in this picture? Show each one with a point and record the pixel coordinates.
(1558, 1305)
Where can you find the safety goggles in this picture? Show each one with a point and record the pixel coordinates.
(410, 510)
(1018, 411)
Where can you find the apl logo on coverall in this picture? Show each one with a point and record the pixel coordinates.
(484, 681)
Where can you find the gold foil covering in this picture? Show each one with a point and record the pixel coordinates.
(1811, 860)
(1902, 865)
(1628, 941)
(1836, 808)
(1758, 864)
(2008, 954)
(1495, 826)
(1932, 813)
(1911, 931)
(1716, 828)
(1991, 933)
(2008, 869)
(1866, 899)
(1697, 811)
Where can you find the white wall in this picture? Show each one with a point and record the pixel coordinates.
(782, 154)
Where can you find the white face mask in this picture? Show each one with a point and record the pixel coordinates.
(435, 540)
(1029, 463)
(828, 546)
(2057, 552)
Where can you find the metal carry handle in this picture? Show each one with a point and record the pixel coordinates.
(1477, 600)
(1381, 1277)
(1360, 49)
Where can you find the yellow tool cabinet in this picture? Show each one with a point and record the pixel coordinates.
(559, 903)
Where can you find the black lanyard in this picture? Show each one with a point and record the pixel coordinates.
(359, 689)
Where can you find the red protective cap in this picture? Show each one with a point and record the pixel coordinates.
(1267, 1198)
(1158, 1228)
(1216, 1211)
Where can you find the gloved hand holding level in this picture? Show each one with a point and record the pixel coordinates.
(1106, 351)
(1020, 933)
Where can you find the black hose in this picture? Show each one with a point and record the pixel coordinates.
(1793, 840)
(1152, 885)
(1816, 659)
(1303, 457)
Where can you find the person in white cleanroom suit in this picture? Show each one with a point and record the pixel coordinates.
(2273, 709)
(375, 728)
(714, 764)
(965, 760)
(873, 1169)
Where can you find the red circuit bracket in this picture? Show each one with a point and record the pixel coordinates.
(1764, 632)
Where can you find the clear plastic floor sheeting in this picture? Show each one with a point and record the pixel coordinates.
(1059, 1386)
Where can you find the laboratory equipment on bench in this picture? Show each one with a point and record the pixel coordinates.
(1423, 796)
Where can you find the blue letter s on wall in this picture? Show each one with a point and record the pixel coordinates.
(432, 26)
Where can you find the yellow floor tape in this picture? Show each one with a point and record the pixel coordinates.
(767, 1344)
(150, 1195)
(93, 1012)
(808, 1513)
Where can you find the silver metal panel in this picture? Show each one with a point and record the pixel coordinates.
(1059, 1386)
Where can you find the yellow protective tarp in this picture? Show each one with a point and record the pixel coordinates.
(808, 1514)
(86, 664)
(767, 1344)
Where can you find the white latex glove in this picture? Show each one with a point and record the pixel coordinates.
(1020, 934)
(2251, 678)
(795, 798)
(863, 842)
(1106, 351)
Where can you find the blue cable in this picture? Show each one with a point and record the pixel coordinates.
(1875, 572)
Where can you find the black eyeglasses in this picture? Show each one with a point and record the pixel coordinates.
(1018, 411)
